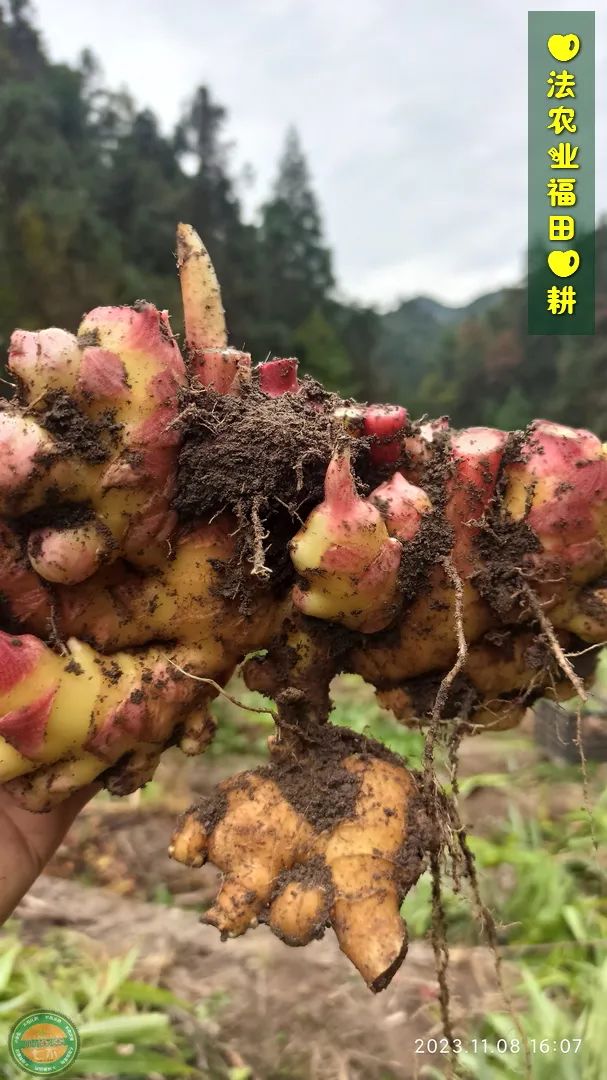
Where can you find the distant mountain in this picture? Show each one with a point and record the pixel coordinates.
(426, 308)
(478, 363)
(411, 332)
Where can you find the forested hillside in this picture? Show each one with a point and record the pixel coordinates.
(91, 189)
(485, 368)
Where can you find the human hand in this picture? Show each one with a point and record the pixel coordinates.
(29, 841)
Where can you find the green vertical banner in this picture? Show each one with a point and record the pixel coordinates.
(561, 240)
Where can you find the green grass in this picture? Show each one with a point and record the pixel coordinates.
(541, 878)
(128, 1028)
(560, 1015)
(238, 730)
(596, 702)
(354, 706)
(547, 888)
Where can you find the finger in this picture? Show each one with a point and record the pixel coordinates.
(48, 787)
(28, 841)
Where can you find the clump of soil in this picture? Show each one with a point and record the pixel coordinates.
(53, 512)
(264, 459)
(434, 539)
(305, 746)
(504, 545)
(76, 434)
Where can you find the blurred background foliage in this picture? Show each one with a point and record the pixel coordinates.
(91, 189)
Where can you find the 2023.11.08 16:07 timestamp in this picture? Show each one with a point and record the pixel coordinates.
(500, 1046)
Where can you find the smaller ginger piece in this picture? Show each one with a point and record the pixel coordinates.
(333, 832)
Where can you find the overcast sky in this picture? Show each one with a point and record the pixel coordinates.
(412, 115)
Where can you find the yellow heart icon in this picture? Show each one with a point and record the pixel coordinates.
(563, 263)
(563, 46)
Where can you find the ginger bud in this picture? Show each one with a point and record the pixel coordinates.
(348, 562)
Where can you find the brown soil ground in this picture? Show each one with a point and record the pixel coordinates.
(287, 1013)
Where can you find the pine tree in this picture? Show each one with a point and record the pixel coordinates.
(143, 191)
(26, 55)
(56, 254)
(295, 263)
